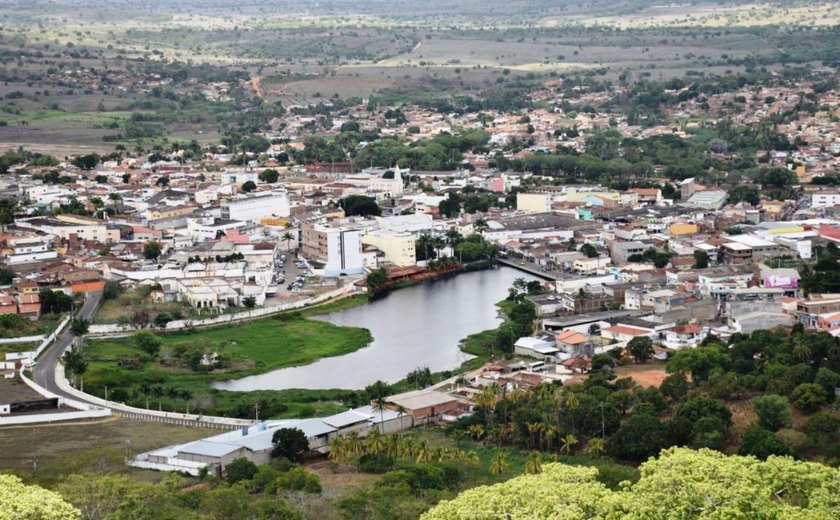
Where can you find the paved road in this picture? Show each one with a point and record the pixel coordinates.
(44, 369)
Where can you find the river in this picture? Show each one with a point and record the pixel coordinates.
(414, 327)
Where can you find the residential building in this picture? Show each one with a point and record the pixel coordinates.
(274, 203)
(333, 250)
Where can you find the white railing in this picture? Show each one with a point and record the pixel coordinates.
(51, 337)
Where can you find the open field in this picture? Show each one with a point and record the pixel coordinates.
(647, 374)
(47, 453)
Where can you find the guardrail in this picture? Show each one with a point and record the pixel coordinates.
(51, 337)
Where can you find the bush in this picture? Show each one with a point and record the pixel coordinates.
(240, 469)
(808, 397)
(761, 443)
(773, 413)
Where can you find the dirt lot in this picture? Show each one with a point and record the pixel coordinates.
(648, 374)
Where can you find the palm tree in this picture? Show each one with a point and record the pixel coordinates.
(187, 396)
(374, 442)
(801, 350)
(423, 453)
(338, 448)
(354, 446)
(480, 226)
(549, 434)
(499, 463)
(476, 432)
(380, 405)
(569, 442)
(287, 237)
(407, 447)
(533, 429)
(533, 465)
(595, 447)
(392, 445)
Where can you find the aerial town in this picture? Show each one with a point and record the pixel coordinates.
(251, 297)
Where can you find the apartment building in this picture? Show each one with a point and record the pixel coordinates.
(333, 250)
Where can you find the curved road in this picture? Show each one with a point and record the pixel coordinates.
(44, 369)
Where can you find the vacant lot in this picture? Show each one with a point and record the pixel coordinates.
(48, 452)
(648, 374)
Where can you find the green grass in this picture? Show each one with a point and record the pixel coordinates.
(250, 348)
(17, 347)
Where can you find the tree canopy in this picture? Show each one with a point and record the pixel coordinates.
(681, 483)
(21, 501)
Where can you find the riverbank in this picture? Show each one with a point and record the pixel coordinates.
(176, 376)
(165, 380)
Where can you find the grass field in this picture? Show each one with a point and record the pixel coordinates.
(250, 348)
(47, 453)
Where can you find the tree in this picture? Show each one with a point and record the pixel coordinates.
(499, 463)
(808, 397)
(86, 162)
(290, 443)
(641, 348)
(249, 302)
(533, 464)
(152, 250)
(23, 502)
(269, 176)
(240, 469)
(248, 186)
(75, 362)
(761, 443)
(569, 442)
(681, 483)
(162, 182)
(79, 326)
(376, 280)
(589, 250)
(641, 436)
(147, 341)
(701, 259)
(287, 237)
(360, 205)
(772, 410)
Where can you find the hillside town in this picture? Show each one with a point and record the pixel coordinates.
(666, 262)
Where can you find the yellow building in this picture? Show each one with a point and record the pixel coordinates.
(683, 229)
(398, 247)
(169, 212)
(533, 202)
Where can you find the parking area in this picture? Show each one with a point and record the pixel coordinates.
(290, 277)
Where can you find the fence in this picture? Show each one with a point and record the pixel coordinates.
(183, 419)
(119, 330)
(53, 417)
(24, 339)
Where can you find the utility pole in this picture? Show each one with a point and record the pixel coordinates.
(257, 411)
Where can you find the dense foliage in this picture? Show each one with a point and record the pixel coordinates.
(682, 484)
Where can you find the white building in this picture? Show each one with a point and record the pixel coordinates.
(274, 203)
(333, 250)
(825, 200)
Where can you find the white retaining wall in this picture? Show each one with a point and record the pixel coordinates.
(205, 421)
(24, 339)
(53, 417)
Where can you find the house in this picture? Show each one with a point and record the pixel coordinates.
(572, 343)
(424, 406)
(29, 306)
(543, 347)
